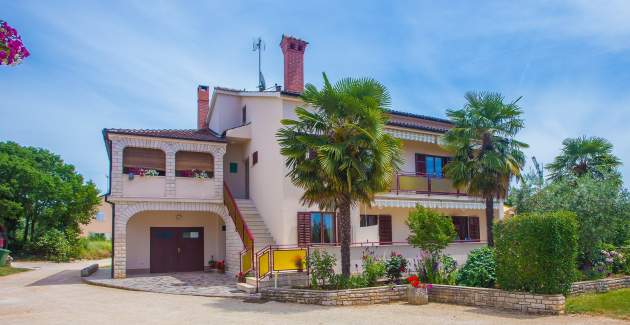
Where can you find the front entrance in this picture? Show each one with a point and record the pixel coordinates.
(176, 249)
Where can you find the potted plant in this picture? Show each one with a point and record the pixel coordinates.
(221, 266)
(299, 263)
(212, 264)
(417, 293)
(240, 277)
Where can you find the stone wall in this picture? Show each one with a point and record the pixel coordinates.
(363, 296)
(494, 298)
(478, 297)
(597, 286)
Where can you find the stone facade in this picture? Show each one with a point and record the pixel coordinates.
(493, 298)
(127, 209)
(350, 297)
(170, 148)
(597, 286)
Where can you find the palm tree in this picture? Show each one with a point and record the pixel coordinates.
(485, 153)
(337, 150)
(582, 156)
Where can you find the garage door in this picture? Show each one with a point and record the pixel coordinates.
(176, 249)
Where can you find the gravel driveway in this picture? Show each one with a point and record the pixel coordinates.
(54, 294)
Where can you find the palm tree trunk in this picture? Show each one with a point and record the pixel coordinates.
(345, 234)
(490, 220)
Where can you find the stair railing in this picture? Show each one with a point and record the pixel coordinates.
(247, 254)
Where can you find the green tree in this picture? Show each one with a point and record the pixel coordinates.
(485, 153)
(337, 150)
(430, 230)
(584, 155)
(601, 205)
(39, 192)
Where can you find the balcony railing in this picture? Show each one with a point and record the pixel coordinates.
(420, 183)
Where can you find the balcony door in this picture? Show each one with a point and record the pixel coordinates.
(430, 165)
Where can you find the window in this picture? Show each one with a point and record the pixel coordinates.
(368, 220)
(254, 158)
(430, 165)
(467, 228)
(190, 234)
(194, 164)
(144, 161)
(233, 168)
(244, 113)
(317, 228)
(100, 216)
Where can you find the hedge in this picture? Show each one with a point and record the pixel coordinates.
(537, 252)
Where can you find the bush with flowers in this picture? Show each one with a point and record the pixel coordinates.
(12, 50)
(395, 266)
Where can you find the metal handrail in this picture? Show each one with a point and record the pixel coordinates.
(241, 227)
(429, 190)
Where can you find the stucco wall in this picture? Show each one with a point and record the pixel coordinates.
(410, 148)
(236, 181)
(104, 226)
(138, 234)
(226, 113)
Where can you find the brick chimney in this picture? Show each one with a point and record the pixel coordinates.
(203, 106)
(293, 50)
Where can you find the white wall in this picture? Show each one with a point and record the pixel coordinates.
(226, 113)
(138, 234)
(236, 181)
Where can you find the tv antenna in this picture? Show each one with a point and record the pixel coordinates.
(259, 45)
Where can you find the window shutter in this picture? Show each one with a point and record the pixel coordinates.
(304, 228)
(385, 229)
(421, 164)
(473, 224)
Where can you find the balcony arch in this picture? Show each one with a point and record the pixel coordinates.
(144, 161)
(194, 164)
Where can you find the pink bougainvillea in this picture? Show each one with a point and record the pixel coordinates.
(12, 50)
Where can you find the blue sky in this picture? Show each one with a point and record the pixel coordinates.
(136, 64)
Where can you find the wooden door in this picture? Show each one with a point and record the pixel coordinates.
(176, 249)
(163, 249)
(190, 249)
(385, 229)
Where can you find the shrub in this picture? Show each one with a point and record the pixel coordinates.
(437, 269)
(321, 266)
(94, 249)
(373, 269)
(395, 266)
(537, 252)
(52, 245)
(479, 270)
(430, 230)
(339, 282)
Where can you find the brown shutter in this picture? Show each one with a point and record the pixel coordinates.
(421, 164)
(385, 229)
(304, 228)
(187, 160)
(144, 158)
(473, 224)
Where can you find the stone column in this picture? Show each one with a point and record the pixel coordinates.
(117, 167)
(120, 242)
(218, 154)
(170, 190)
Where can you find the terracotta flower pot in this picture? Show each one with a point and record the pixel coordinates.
(417, 296)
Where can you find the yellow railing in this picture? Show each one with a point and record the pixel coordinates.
(247, 255)
(281, 259)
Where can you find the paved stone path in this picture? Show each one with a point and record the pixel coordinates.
(186, 283)
(54, 294)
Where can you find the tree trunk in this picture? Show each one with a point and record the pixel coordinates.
(345, 234)
(490, 220)
(26, 228)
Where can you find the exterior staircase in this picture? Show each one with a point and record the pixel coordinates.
(255, 223)
(258, 229)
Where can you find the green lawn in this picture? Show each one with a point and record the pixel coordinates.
(7, 270)
(614, 304)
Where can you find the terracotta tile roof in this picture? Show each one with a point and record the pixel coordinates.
(184, 134)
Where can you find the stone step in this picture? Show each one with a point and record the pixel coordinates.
(246, 287)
